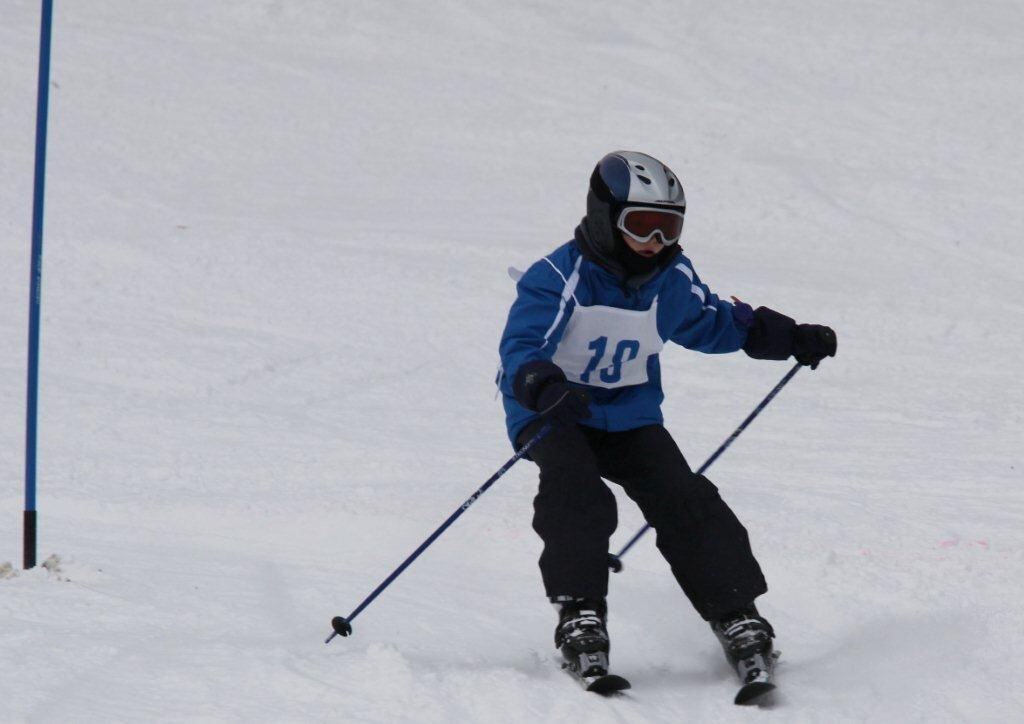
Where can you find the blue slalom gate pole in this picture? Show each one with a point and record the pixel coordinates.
(615, 561)
(36, 287)
(342, 625)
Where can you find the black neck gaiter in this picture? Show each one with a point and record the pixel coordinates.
(635, 264)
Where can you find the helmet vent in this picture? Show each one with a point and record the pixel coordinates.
(671, 181)
(644, 179)
(639, 167)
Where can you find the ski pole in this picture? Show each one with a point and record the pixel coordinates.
(342, 625)
(615, 561)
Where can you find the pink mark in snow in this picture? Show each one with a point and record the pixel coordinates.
(949, 543)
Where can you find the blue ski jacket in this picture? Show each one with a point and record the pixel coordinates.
(607, 335)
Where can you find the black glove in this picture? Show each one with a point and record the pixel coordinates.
(563, 403)
(812, 343)
(541, 386)
(769, 333)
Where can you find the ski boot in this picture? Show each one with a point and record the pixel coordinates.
(581, 635)
(746, 639)
(582, 638)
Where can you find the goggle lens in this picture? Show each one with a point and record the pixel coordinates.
(642, 223)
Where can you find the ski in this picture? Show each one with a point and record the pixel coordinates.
(756, 672)
(603, 684)
(591, 671)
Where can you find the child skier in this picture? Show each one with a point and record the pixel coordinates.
(580, 349)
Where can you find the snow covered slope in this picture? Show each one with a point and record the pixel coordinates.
(276, 242)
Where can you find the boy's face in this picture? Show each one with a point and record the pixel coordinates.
(651, 248)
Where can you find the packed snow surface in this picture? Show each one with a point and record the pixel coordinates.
(277, 235)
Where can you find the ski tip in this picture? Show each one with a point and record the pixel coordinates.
(608, 684)
(753, 694)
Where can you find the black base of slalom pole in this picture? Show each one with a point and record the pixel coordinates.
(29, 542)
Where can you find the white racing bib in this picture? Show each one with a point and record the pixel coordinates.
(609, 347)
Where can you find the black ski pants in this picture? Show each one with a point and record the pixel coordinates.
(575, 514)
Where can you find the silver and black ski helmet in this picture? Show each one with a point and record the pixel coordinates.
(627, 178)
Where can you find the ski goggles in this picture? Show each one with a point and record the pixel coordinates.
(642, 223)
